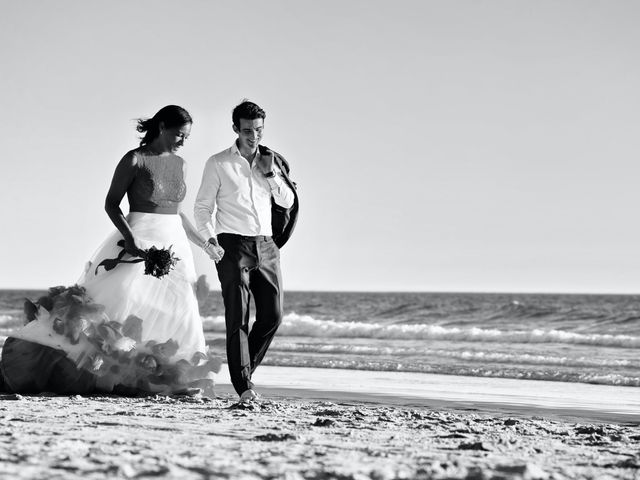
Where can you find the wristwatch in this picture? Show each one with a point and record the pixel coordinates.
(271, 174)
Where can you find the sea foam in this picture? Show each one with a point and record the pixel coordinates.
(307, 326)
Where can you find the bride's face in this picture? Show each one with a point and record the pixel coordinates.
(174, 138)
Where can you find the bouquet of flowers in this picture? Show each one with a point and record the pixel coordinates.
(158, 262)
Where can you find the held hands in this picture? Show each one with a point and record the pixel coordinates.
(212, 248)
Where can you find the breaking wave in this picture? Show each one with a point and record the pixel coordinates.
(307, 326)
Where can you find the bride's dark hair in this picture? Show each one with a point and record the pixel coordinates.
(171, 116)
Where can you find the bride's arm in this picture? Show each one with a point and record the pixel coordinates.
(214, 250)
(190, 230)
(192, 234)
(122, 178)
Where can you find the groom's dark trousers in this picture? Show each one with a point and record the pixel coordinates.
(250, 267)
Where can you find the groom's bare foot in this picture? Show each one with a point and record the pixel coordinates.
(248, 396)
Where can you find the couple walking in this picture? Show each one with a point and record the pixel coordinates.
(120, 329)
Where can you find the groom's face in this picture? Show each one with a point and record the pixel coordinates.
(249, 133)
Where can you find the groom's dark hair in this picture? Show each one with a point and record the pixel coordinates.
(247, 110)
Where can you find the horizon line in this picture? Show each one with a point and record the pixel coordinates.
(382, 291)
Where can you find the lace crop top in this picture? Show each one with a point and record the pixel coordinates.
(158, 184)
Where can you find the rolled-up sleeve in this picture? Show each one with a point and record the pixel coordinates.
(205, 204)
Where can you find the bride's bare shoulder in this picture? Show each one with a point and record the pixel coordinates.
(132, 157)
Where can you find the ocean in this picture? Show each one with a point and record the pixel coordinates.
(567, 338)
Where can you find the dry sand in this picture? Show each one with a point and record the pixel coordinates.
(288, 436)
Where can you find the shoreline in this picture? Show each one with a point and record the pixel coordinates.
(573, 415)
(560, 400)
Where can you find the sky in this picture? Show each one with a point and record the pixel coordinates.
(487, 146)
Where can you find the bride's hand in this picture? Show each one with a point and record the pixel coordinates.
(212, 248)
(131, 247)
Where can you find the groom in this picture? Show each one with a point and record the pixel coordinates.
(248, 188)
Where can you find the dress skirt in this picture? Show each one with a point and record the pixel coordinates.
(124, 327)
(167, 306)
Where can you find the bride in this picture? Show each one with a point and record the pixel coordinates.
(132, 322)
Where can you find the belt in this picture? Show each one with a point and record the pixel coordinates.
(235, 236)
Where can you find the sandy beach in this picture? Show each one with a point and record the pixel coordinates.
(309, 433)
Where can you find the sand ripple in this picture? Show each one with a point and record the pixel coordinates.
(102, 437)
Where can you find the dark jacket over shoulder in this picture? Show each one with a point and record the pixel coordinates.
(283, 220)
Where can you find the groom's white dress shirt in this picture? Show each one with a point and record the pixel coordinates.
(239, 194)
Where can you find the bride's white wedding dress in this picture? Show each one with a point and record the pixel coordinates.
(125, 328)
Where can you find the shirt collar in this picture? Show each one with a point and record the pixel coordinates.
(236, 151)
